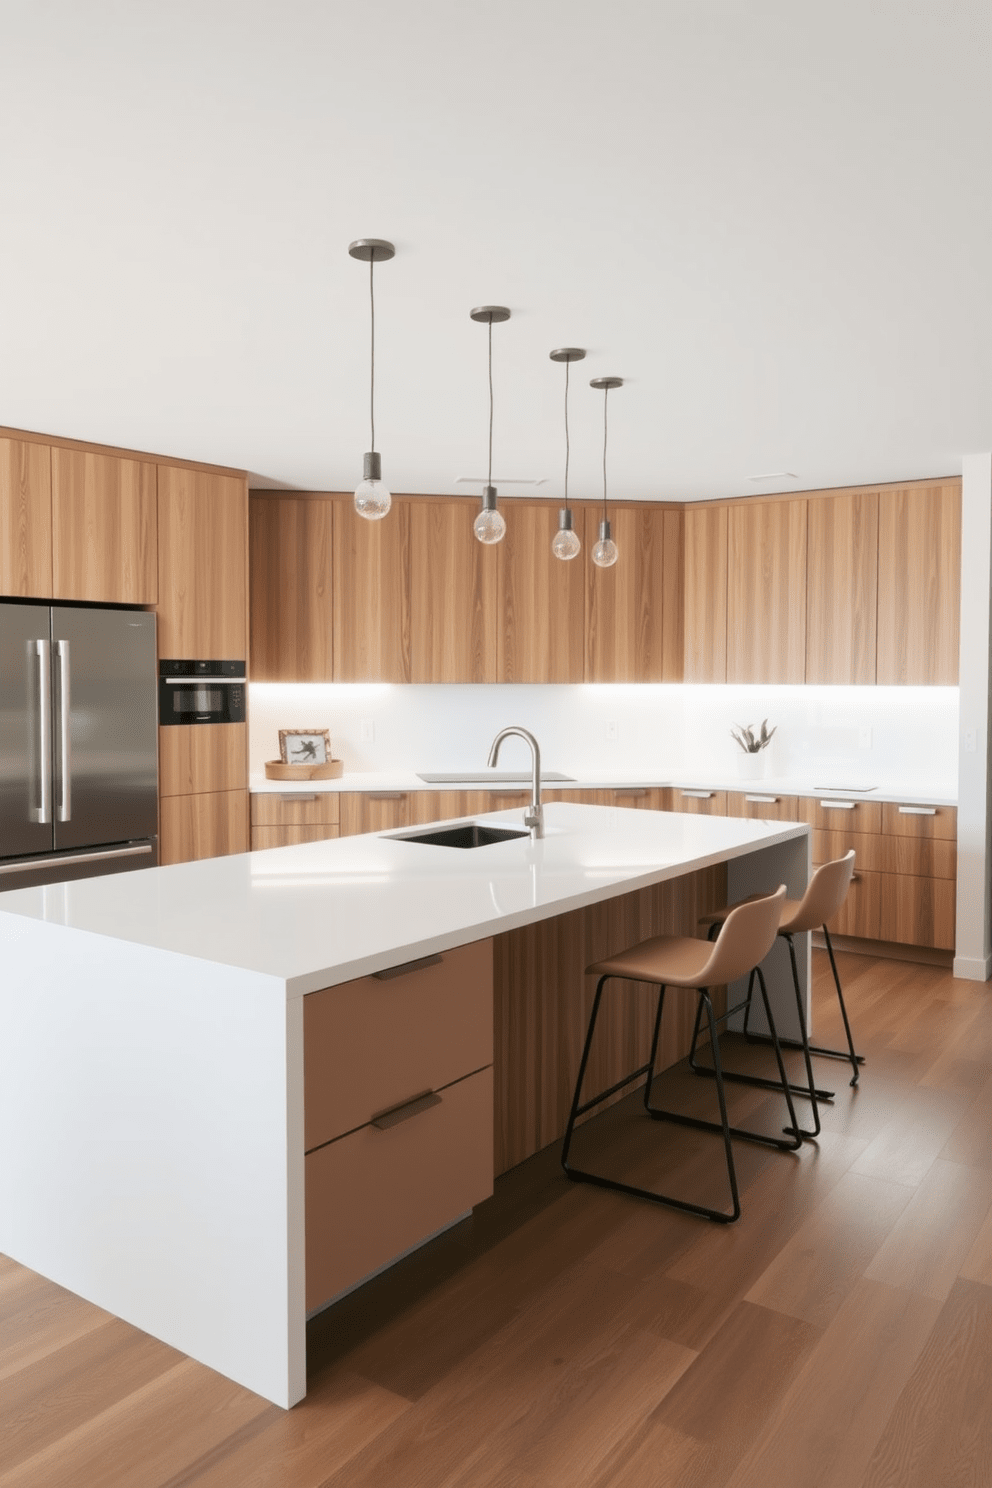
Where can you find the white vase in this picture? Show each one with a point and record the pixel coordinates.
(751, 766)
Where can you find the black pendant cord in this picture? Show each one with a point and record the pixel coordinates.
(372, 359)
(606, 395)
(490, 479)
(566, 436)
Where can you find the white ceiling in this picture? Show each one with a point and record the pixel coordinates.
(772, 217)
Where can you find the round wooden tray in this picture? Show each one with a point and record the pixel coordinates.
(331, 770)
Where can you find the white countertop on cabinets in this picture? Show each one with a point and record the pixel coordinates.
(908, 793)
(321, 913)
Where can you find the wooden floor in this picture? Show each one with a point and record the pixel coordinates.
(840, 1335)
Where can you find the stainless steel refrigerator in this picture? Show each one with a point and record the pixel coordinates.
(78, 742)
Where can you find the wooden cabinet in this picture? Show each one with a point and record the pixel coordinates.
(375, 811)
(541, 600)
(297, 816)
(370, 595)
(453, 595)
(203, 563)
(766, 592)
(203, 826)
(700, 802)
(398, 1112)
(842, 588)
(193, 759)
(705, 580)
(289, 542)
(104, 528)
(919, 585)
(634, 609)
(759, 805)
(25, 519)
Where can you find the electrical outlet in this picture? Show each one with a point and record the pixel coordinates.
(970, 741)
(611, 731)
(864, 738)
(367, 732)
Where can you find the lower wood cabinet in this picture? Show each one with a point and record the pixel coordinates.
(207, 757)
(210, 825)
(760, 805)
(700, 802)
(398, 1112)
(279, 820)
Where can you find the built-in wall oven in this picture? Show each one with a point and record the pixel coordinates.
(201, 692)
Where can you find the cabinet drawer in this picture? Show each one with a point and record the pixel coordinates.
(861, 910)
(924, 857)
(845, 814)
(374, 811)
(376, 1193)
(292, 809)
(371, 1043)
(917, 911)
(762, 805)
(920, 821)
(262, 837)
(702, 802)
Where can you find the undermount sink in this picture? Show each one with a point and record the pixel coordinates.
(468, 834)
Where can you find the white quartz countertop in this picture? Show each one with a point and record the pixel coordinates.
(907, 793)
(322, 913)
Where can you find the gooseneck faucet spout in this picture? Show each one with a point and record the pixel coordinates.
(534, 815)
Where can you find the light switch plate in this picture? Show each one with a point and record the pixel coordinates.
(367, 731)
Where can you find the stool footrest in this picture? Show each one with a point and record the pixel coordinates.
(603, 1095)
(762, 1081)
(745, 1133)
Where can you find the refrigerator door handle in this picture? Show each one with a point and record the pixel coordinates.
(65, 747)
(42, 813)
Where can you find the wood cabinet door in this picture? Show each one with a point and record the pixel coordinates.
(203, 565)
(541, 600)
(204, 826)
(634, 609)
(766, 592)
(370, 596)
(919, 585)
(104, 528)
(25, 519)
(193, 759)
(289, 543)
(841, 588)
(453, 595)
(375, 811)
(705, 587)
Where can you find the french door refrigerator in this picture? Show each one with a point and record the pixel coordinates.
(78, 742)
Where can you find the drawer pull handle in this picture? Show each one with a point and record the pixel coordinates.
(412, 1107)
(521, 792)
(630, 792)
(838, 805)
(406, 967)
(698, 795)
(387, 795)
(767, 800)
(917, 811)
(292, 796)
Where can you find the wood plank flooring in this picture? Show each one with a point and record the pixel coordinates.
(839, 1336)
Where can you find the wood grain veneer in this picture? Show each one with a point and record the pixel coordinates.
(262, 837)
(104, 528)
(541, 600)
(289, 541)
(907, 821)
(295, 809)
(453, 595)
(203, 826)
(917, 911)
(203, 757)
(370, 597)
(629, 606)
(705, 579)
(701, 803)
(25, 519)
(922, 856)
(919, 585)
(759, 805)
(203, 565)
(842, 588)
(766, 592)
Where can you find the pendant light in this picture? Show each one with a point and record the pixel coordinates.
(604, 553)
(372, 498)
(565, 543)
(489, 526)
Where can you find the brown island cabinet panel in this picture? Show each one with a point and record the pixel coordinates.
(25, 519)
(289, 543)
(104, 528)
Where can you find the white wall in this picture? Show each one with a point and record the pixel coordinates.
(661, 730)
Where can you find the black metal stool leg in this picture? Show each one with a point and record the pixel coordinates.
(856, 1059)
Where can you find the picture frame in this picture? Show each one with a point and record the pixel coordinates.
(305, 746)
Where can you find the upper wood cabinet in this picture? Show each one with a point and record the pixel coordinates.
(919, 584)
(541, 599)
(25, 519)
(633, 630)
(370, 595)
(705, 588)
(766, 592)
(453, 595)
(104, 531)
(290, 586)
(841, 587)
(203, 563)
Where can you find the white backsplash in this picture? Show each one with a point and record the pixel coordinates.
(843, 736)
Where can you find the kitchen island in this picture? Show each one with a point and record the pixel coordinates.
(152, 1045)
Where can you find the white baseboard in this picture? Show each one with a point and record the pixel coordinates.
(973, 968)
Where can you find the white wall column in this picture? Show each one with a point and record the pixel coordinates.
(973, 938)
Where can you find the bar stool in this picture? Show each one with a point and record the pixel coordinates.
(747, 935)
(825, 893)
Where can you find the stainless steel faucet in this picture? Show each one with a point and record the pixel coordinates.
(534, 815)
